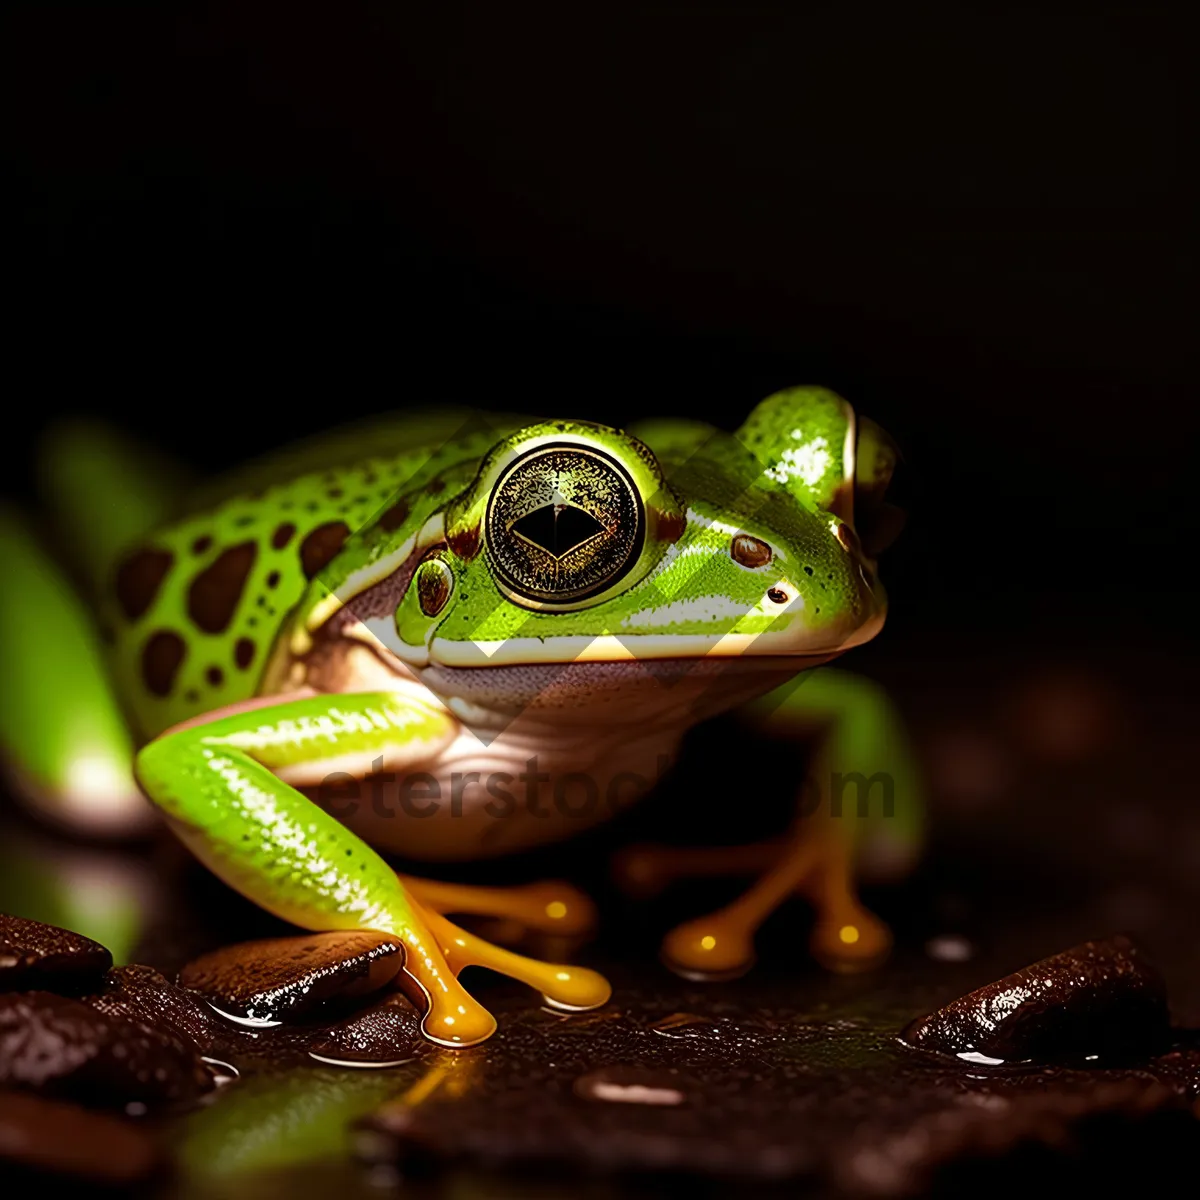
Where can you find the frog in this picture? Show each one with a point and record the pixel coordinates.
(511, 621)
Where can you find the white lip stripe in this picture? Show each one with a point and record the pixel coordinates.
(606, 648)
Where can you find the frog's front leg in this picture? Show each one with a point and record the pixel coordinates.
(859, 808)
(217, 783)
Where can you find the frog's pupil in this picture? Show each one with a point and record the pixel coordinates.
(557, 528)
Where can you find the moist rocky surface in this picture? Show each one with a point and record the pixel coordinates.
(1049, 937)
(34, 955)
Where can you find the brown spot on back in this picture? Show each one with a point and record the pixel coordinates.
(214, 594)
(282, 535)
(273, 579)
(161, 658)
(749, 551)
(139, 578)
(321, 545)
(435, 485)
(243, 652)
(215, 676)
(395, 516)
(465, 542)
(201, 544)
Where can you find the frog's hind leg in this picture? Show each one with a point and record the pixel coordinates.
(63, 736)
(864, 750)
(64, 741)
(102, 491)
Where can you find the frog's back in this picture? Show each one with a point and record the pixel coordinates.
(195, 607)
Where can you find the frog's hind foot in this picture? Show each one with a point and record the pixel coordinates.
(644, 871)
(846, 937)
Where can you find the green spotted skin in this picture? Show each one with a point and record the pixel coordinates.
(333, 605)
(194, 609)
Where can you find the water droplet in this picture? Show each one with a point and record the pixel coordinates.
(630, 1085)
(685, 1025)
(349, 1058)
(949, 947)
(221, 1072)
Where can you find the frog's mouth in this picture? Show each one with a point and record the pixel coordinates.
(607, 648)
(630, 693)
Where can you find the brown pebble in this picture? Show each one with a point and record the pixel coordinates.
(33, 955)
(62, 1139)
(67, 1048)
(1098, 1002)
(385, 1035)
(275, 978)
(140, 994)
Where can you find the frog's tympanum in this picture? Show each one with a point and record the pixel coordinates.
(457, 636)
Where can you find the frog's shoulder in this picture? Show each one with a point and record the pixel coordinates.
(193, 610)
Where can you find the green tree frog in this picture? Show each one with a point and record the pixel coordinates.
(506, 625)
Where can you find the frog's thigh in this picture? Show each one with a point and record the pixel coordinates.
(62, 733)
(218, 782)
(861, 801)
(104, 491)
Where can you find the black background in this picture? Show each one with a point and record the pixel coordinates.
(239, 223)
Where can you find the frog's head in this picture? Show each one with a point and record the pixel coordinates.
(580, 543)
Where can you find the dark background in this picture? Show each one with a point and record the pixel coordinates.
(237, 224)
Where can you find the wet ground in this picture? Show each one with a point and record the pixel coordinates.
(1063, 810)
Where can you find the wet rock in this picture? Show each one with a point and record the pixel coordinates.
(964, 1144)
(385, 1035)
(278, 978)
(47, 1136)
(66, 1048)
(142, 995)
(1098, 1002)
(33, 955)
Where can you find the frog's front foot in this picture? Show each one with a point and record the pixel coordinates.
(562, 986)
(549, 907)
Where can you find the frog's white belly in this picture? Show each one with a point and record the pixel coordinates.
(537, 755)
(519, 791)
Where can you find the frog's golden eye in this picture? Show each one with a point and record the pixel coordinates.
(564, 523)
